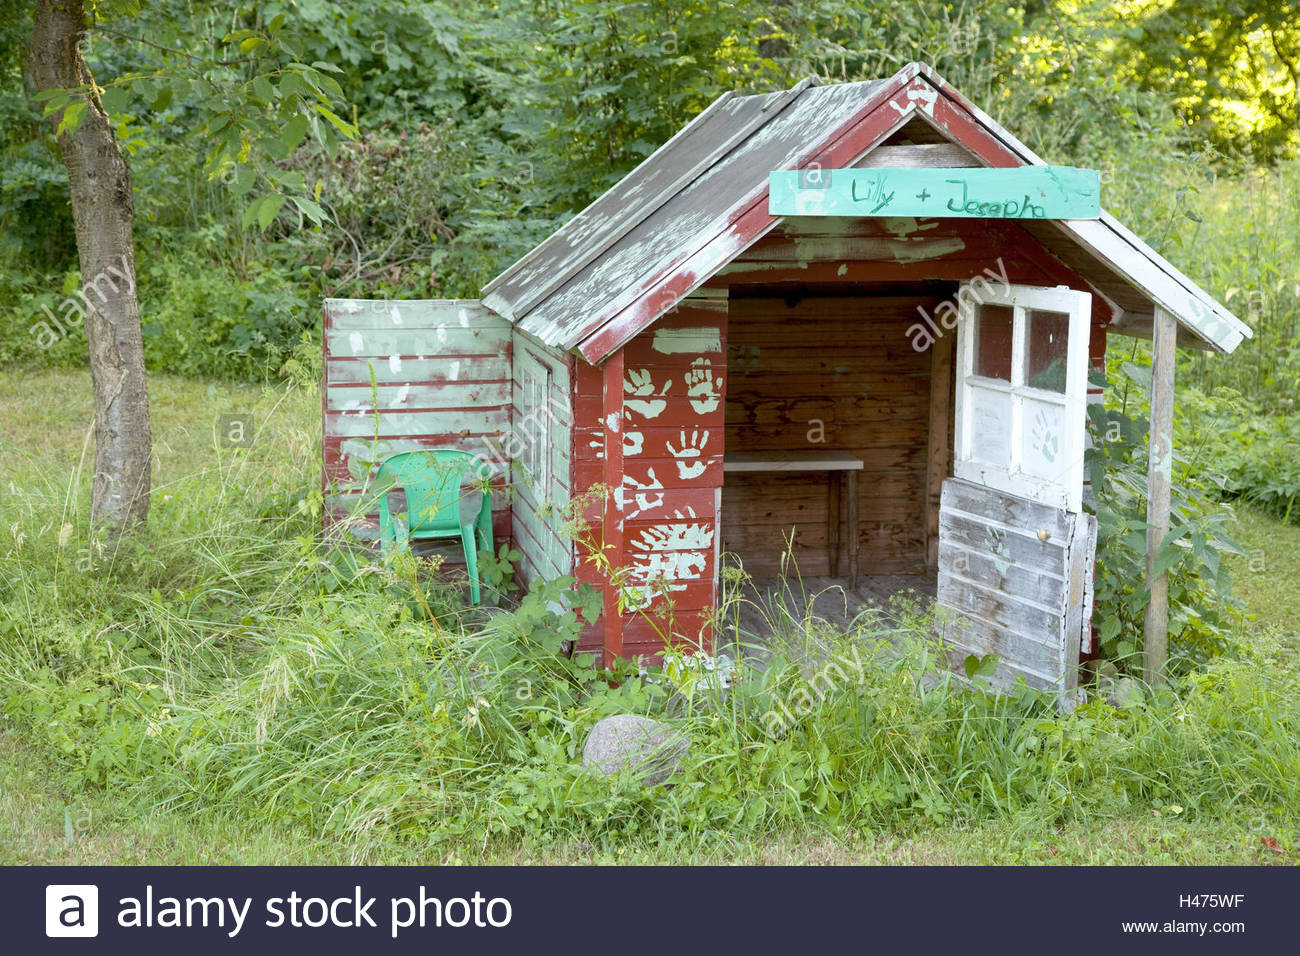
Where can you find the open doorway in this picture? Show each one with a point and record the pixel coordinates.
(832, 379)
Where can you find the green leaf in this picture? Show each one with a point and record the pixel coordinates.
(295, 131)
(250, 214)
(267, 209)
(984, 666)
(263, 89)
(1109, 630)
(1169, 553)
(347, 129)
(115, 99)
(244, 179)
(71, 118)
(1138, 374)
(310, 209)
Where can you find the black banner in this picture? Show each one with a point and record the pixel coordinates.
(647, 910)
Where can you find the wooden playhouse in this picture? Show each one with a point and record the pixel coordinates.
(870, 391)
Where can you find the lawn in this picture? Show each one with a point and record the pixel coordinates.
(55, 808)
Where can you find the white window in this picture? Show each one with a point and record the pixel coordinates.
(534, 427)
(1022, 354)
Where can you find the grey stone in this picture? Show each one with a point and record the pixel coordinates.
(650, 749)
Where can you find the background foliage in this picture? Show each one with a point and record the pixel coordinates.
(484, 124)
(223, 665)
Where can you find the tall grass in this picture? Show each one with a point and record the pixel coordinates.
(227, 664)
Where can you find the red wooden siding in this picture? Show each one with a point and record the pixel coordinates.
(658, 406)
(441, 379)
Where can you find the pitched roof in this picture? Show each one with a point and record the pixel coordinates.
(701, 198)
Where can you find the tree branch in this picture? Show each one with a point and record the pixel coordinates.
(167, 49)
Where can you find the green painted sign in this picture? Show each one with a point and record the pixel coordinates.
(1026, 192)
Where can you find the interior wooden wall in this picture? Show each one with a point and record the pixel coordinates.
(802, 346)
(819, 372)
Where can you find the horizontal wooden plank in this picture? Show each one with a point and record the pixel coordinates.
(339, 448)
(449, 341)
(547, 556)
(680, 345)
(685, 445)
(1014, 546)
(654, 473)
(811, 309)
(1006, 510)
(748, 411)
(887, 457)
(351, 314)
(661, 504)
(1031, 583)
(814, 459)
(882, 449)
(911, 156)
(766, 518)
(466, 422)
(353, 398)
(1042, 668)
(1007, 611)
(645, 634)
(948, 268)
(399, 370)
(683, 596)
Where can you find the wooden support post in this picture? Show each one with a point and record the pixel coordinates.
(855, 539)
(833, 487)
(1155, 649)
(612, 538)
(939, 452)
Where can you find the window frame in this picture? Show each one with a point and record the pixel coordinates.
(1065, 489)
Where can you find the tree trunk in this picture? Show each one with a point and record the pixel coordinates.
(102, 210)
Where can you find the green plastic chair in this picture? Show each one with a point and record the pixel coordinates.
(439, 504)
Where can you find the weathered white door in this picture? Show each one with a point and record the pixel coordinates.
(1022, 380)
(1015, 548)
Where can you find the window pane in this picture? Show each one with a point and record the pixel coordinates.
(1047, 336)
(993, 341)
(990, 435)
(1042, 437)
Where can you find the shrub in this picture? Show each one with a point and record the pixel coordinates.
(1202, 613)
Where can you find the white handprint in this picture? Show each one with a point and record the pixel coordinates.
(640, 384)
(643, 501)
(633, 442)
(669, 566)
(692, 448)
(676, 536)
(659, 572)
(701, 386)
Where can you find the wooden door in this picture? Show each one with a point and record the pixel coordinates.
(1015, 548)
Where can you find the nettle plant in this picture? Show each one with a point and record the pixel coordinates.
(1202, 612)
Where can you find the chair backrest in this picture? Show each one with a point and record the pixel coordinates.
(432, 481)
